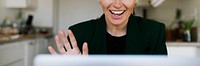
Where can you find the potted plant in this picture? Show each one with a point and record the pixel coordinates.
(187, 26)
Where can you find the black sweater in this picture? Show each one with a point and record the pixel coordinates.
(144, 36)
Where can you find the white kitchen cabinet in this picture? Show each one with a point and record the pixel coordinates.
(35, 47)
(52, 42)
(12, 54)
(22, 53)
(21, 3)
(183, 49)
(30, 52)
(17, 3)
(41, 46)
(18, 63)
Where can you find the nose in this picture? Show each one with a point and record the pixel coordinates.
(117, 3)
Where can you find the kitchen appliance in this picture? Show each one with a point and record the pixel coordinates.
(27, 27)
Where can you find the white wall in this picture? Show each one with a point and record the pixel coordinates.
(191, 8)
(6, 12)
(164, 13)
(75, 11)
(43, 13)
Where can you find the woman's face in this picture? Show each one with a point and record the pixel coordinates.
(117, 11)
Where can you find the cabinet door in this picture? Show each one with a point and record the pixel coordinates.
(17, 3)
(12, 53)
(52, 42)
(18, 63)
(41, 46)
(30, 52)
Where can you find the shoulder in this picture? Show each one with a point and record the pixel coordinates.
(83, 31)
(84, 28)
(149, 25)
(86, 25)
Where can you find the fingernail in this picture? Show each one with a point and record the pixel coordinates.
(56, 37)
(60, 31)
(85, 43)
(68, 31)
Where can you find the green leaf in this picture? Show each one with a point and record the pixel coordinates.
(188, 24)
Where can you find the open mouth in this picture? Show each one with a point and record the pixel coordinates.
(117, 12)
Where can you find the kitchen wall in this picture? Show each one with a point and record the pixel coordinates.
(191, 8)
(6, 12)
(74, 11)
(164, 13)
(43, 12)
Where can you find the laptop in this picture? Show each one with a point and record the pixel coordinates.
(114, 60)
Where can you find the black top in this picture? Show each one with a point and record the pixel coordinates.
(115, 45)
(143, 36)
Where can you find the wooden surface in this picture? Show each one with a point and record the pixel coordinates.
(6, 38)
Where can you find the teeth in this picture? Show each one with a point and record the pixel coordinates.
(117, 12)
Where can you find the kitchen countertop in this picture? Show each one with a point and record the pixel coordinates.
(196, 44)
(42, 32)
(27, 37)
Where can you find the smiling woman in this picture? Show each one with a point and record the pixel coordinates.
(117, 31)
(117, 13)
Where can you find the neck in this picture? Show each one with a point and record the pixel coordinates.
(117, 30)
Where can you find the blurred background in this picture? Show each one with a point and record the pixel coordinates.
(27, 27)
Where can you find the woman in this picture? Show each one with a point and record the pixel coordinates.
(116, 32)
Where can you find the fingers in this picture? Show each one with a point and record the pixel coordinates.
(51, 50)
(85, 48)
(72, 39)
(65, 40)
(62, 36)
(59, 45)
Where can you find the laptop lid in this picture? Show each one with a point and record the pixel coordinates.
(114, 60)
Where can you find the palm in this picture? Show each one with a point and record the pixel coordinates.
(67, 46)
(73, 51)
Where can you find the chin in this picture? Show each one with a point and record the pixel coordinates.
(117, 22)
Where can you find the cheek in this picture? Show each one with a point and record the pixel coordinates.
(129, 3)
(105, 3)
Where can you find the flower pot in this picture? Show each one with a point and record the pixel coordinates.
(187, 36)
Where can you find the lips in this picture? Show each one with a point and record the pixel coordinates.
(117, 12)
